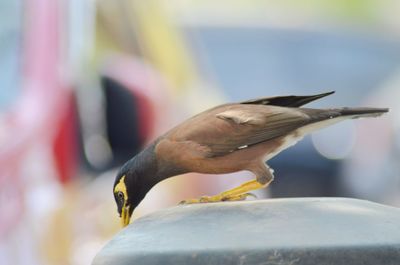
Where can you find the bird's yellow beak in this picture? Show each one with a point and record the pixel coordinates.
(125, 216)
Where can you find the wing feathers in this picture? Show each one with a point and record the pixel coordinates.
(255, 125)
(241, 117)
(230, 127)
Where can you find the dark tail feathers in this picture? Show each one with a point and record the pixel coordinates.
(362, 112)
(317, 115)
(287, 101)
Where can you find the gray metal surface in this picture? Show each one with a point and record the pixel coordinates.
(278, 231)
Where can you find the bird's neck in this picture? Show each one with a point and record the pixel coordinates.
(146, 168)
(149, 170)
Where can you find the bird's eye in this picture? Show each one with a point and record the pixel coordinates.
(120, 195)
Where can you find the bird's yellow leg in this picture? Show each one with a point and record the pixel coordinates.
(235, 194)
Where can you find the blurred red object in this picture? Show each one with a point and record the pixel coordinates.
(137, 105)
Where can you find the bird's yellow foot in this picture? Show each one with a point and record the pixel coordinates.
(240, 197)
(218, 198)
(236, 194)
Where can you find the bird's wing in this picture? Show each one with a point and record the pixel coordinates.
(287, 101)
(233, 127)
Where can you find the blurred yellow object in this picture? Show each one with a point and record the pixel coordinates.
(162, 42)
(143, 27)
(85, 220)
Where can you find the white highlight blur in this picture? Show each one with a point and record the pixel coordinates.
(336, 142)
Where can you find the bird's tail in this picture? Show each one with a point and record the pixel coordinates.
(362, 112)
(321, 118)
(317, 115)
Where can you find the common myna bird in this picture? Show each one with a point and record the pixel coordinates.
(225, 139)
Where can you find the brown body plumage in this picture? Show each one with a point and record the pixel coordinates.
(226, 139)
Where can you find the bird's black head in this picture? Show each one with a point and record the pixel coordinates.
(127, 191)
(137, 177)
(133, 181)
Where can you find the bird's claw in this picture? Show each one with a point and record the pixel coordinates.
(240, 197)
(188, 201)
(218, 198)
(203, 199)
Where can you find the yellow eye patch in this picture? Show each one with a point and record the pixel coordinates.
(121, 187)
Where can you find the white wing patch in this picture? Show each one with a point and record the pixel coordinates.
(241, 117)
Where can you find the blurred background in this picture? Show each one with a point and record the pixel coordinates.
(85, 85)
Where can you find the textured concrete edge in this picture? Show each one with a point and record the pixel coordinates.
(378, 254)
(388, 255)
